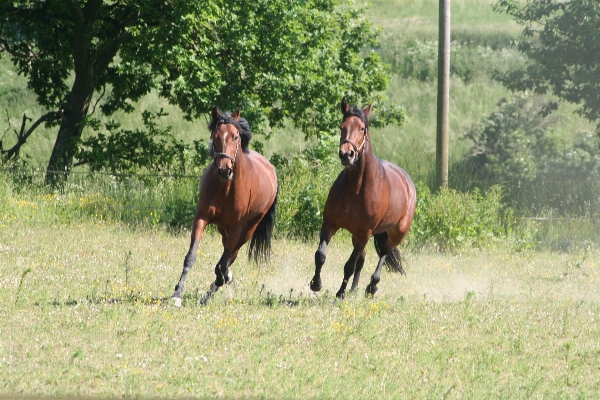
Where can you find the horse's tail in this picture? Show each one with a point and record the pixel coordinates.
(260, 245)
(394, 259)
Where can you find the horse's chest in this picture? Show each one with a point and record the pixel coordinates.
(354, 210)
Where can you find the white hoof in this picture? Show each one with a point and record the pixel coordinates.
(175, 301)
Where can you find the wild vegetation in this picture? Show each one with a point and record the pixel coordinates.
(502, 269)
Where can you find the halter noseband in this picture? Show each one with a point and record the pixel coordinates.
(357, 150)
(216, 156)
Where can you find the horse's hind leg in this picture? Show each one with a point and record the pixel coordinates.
(384, 250)
(359, 242)
(197, 231)
(376, 277)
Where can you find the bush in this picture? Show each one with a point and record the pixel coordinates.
(304, 183)
(449, 219)
(542, 171)
(151, 150)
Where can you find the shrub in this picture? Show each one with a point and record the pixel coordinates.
(304, 182)
(541, 170)
(448, 220)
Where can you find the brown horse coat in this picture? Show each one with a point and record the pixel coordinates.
(238, 193)
(369, 197)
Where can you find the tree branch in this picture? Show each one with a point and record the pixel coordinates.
(76, 11)
(98, 100)
(13, 153)
(119, 35)
(90, 13)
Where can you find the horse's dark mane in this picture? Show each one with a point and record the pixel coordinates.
(242, 126)
(357, 112)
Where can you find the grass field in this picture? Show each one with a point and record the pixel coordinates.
(84, 313)
(84, 302)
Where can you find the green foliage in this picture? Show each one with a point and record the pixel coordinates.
(151, 151)
(511, 142)
(449, 220)
(283, 60)
(561, 42)
(542, 172)
(305, 181)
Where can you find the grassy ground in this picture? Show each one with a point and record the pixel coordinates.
(84, 306)
(84, 313)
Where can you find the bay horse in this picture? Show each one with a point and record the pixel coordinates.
(369, 197)
(238, 193)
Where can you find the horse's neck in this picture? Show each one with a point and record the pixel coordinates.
(363, 174)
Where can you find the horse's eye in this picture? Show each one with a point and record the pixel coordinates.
(362, 129)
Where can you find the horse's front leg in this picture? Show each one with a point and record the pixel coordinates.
(360, 262)
(231, 246)
(358, 253)
(197, 230)
(327, 231)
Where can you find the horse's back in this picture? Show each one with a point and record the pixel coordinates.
(402, 193)
(265, 173)
(399, 179)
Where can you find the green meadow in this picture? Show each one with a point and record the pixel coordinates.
(85, 313)
(86, 271)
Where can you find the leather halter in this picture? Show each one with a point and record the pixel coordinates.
(357, 150)
(217, 156)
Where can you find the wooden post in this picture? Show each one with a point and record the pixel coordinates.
(443, 99)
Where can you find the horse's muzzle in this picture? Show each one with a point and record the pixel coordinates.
(226, 174)
(347, 157)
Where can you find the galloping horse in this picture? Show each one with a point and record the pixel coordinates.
(369, 197)
(238, 193)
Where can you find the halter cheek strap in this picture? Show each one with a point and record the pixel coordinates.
(357, 150)
(217, 156)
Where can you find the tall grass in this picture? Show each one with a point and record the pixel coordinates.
(481, 44)
(92, 320)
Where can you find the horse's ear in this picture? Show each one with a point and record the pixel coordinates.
(368, 109)
(215, 113)
(345, 106)
(236, 114)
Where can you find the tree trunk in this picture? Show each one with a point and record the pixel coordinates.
(90, 63)
(70, 130)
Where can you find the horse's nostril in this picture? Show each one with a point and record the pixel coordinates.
(225, 173)
(351, 154)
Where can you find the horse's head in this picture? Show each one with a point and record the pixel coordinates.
(230, 135)
(355, 132)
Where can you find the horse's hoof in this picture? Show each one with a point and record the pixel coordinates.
(315, 286)
(205, 298)
(175, 302)
(229, 277)
(340, 295)
(371, 290)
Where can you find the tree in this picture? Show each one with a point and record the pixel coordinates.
(562, 43)
(283, 59)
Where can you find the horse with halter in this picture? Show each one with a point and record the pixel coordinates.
(369, 197)
(238, 193)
